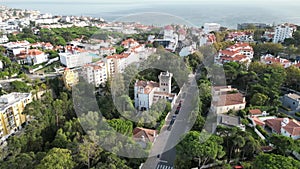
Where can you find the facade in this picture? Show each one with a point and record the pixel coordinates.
(11, 108)
(95, 73)
(75, 59)
(210, 27)
(226, 98)
(240, 52)
(284, 126)
(70, 78)
(284, 31)
(147, 93)
(291, 101)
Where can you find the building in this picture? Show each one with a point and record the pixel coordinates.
(257, 113)
(270, 59)
(129, 43)
(240, 36)
(243, 26)
(226, 98)
(107, 51)
(147, 93)
(144, 136)
(70, 78)
(207, 39)
(291, 101)
(230, 121)
(32, 57)
(74, 58)
(95, 73)
(284, 126)
(4, 39)
(211, 27)
(239, 52)
(11, 108)
(284, 31)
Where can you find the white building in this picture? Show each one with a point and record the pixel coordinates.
(147, 93)
(270, 59)
(107, 51)
(284, 126)
(224, 99)
(209, 27)
(35, 57)
(4, 39)
(240, 52)
(284, 31)
(95, 73)
(75, 59)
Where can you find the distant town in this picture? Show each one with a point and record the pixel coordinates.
(44, 57)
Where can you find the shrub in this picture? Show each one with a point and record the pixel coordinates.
(297, 114)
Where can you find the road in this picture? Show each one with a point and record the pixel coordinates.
(166, 141)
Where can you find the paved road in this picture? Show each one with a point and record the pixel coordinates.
(167, 140)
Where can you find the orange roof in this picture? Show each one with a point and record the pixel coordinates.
(168, 27)
(148, 86)
(258, 121)
(229, 99)
(255, 112)
(229, 53)
(139, 133)
(235, 58)
(118, 56)
(293, 127)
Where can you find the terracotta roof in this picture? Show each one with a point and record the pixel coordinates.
(229, 99)
(255, 112)
(118, 56)
(293, 127)
(168, 27)
(148, 86)
(236, 58)
(258, 121)
(148, 134)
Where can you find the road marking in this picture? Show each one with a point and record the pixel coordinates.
(163, 161)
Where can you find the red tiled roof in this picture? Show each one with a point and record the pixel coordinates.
(255, 112)
(148, 86)
(229, 99)
(168, 27)
(237, 58)
(148, 134)
(257, 121)
(118, 56)
(293, 127)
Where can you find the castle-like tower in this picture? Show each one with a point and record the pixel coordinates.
(165, 81)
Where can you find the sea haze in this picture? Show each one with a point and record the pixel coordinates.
(227, 13)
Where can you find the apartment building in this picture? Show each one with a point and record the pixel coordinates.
(95, 73)
(11, 107)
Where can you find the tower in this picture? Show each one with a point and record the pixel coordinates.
(165, 81)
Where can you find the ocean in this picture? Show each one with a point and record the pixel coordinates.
(196, 14)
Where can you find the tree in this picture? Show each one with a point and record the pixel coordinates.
(200, 147)
(258, 99)
(121, 126)
(293, 77)
(272, 161)
(284, 145)
(88, 151)
(61, 140)
(57, 158)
